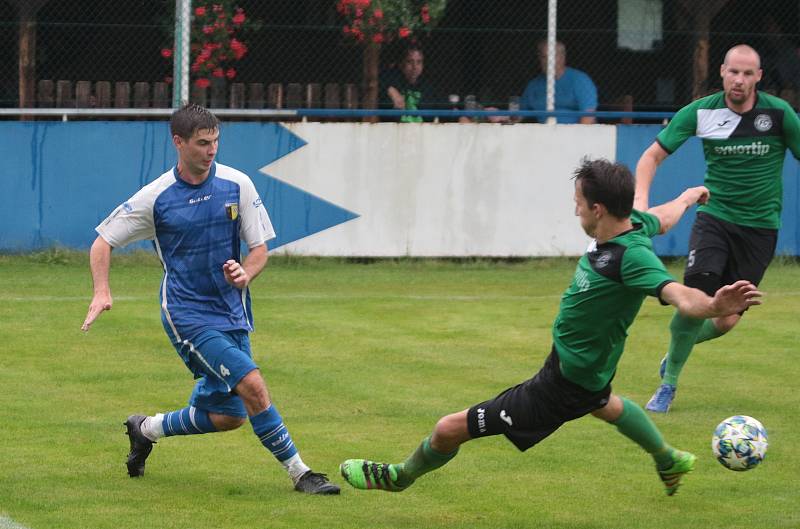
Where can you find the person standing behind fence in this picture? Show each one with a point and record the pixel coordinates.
(745, 134)
(405, 88)
(196, 214)
(574, 89)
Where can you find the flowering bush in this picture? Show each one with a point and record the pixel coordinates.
(381, 21)
(216, 40)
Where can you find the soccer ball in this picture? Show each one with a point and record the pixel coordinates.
(739, 442)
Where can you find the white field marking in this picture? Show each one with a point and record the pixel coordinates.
(8, 523)
(421, 297)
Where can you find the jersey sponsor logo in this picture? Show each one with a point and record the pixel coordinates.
(481, 420)
(197, 200)
(582, 281)
(232, 210)
(506, 418)
(756, 148)
(762, 122)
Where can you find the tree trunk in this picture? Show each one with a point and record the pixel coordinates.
(372, 56)
(27, 58)
(702, 14)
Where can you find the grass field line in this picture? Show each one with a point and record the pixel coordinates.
(415, 297)
(8, 523)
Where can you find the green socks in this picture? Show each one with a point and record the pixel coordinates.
(639, 428)
(708, 332)
(423, 460)
(684, 333)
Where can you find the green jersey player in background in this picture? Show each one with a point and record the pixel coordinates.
(745, 134)
(610, 283)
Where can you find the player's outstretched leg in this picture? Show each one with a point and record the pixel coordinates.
(141, 446)
(367, 475)
(682, 464)
(684, 332)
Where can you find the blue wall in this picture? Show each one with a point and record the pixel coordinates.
(60, 180)
(685, 168)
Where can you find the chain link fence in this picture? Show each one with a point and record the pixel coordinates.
(645, 55)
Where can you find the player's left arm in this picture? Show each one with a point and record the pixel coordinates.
(791, 131)
(241, 274)
(694, 303)
(587, 98)
(671, 212)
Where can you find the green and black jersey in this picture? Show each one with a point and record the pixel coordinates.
(744, 155)
(610, 283)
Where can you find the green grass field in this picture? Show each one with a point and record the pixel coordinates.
(362, 359)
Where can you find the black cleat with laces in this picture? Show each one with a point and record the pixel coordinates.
(140, 446)
(315, 483)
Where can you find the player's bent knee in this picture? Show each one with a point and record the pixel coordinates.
(452, 429)
(224, 423)
(253, 391)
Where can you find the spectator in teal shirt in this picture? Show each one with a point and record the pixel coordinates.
(575, 90)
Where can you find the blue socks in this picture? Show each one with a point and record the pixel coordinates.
(188, 421)
(268, 426)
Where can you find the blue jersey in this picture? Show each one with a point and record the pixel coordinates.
(574, 91)
(195, 229)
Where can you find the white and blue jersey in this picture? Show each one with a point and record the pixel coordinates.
(195, 229)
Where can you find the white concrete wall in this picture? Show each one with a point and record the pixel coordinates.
(448, 189)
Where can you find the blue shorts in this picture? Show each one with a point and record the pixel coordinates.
(220, 360)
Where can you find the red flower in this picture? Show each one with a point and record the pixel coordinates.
(403, 32)
(425, 14)
(200, 11)
(208, 30)
(238, 18)
(217, 8)
(195, 68)
(166, 53)
(230, 73)
(239, 53)
(346, 30)
(378, 14)
(202, 83)
(377, 37)
(218, 72)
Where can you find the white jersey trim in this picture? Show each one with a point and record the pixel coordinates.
(717, 123)
(164, 293)
(256, 227)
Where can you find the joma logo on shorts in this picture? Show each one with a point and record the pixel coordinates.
(481, 420)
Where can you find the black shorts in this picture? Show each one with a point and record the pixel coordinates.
(721, 253)
(529, 412)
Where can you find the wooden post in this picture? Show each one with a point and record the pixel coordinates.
(46, 98)
(161, 97)
(83, 94)
(64, 94)
(275, 95)
(294, 97)
(332, 97)
(313, 95)
(255, 97)
(122, 94)
(350, 96)
(102, 91)
(237, 95)
(141, 95)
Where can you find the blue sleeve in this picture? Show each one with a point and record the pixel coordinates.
(585, 92)
(528, 100)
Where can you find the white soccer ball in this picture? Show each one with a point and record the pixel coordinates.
(739, 442)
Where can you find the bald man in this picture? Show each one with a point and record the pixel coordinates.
(745, 134)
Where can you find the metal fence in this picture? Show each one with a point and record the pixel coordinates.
(645, 55)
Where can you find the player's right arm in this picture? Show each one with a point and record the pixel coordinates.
(694, 303)
(645, 172)
(671, 212)
(100, 264)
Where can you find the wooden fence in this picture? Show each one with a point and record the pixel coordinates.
(123, 94)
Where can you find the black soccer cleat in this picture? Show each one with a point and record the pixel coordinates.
(315, 483)
(141, 446)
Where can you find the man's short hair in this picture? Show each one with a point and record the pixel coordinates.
(607, 183)
(191, 117)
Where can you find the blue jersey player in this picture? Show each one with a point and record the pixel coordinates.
(197, 214)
